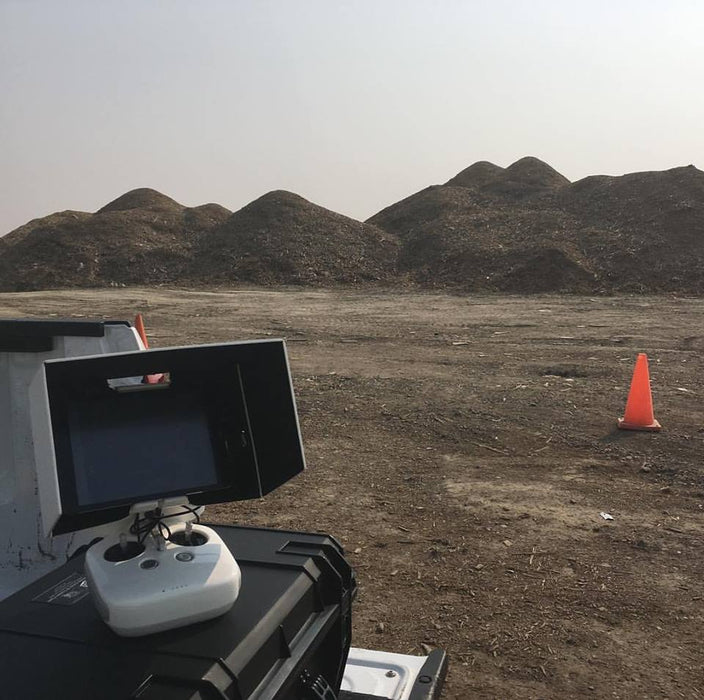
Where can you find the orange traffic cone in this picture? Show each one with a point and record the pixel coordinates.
(139, 325)
(639, 406)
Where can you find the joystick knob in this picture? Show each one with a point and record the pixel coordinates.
(124, 550)
(192, 538)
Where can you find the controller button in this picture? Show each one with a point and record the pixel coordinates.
(185, 556)
(149, 564)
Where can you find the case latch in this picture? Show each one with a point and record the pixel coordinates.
(317, 689)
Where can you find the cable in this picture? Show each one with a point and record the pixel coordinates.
(142, 526)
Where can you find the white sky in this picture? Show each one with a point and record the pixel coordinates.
(351, 104)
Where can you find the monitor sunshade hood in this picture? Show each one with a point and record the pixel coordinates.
(220, 426)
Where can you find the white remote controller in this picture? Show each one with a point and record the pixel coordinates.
(160, 585)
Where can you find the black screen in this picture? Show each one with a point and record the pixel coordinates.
(138, 445)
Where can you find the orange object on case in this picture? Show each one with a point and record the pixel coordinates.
(639, 406)
(139, 325)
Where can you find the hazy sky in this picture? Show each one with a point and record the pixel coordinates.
(351, 104)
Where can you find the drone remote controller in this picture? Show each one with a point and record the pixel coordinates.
(142, 588)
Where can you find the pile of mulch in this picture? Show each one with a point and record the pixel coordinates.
(644, 232)
(527, 229)
(146, 238)
(523, 179)
(522, 229)
(468, 238)
(140, 238)
(282, 238)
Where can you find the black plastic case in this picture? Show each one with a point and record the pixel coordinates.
(286, 638)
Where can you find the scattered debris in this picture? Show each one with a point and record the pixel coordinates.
(606, 516)
(488, 447)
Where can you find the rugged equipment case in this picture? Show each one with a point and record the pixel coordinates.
(286, 637)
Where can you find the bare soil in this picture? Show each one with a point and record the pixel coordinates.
(462, 450)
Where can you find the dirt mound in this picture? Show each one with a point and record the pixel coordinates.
(283, 238)
(643, 231)
(145, 237)
(142, 198)
(433, 204)
(523, 229)
(476, 175)
(454, 237)
(527, 229)
(545, 270)
(536, 174)
(527, 177)
(205, 216)
(123, 243)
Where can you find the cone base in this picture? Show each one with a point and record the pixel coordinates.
(652, 427)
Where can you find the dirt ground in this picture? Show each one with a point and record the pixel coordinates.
(462, 450)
